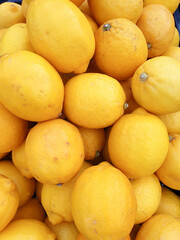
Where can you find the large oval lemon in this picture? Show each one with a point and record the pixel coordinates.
(30, 87)
(60, 32)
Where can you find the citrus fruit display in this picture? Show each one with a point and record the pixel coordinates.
(89, 120)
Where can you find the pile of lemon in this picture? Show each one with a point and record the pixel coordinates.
(89, 120)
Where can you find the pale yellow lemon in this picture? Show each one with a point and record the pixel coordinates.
(10, 14)
(17, 32)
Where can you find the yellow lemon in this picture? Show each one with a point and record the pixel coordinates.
(159, 227)
(173, 52)
(54, 151)
(25, 187)
(147, 191)
(13, 130)
(103, 203)
(31, 210)
(94, 140)
(19, 160)
(120, 48)
(9, 201)
(56, 199)
(86, 103)
(168, 172)
(10, 14)
(156, 87)
(17, 32)
(138, 144)
(169, 204)
(64, 230)
(172, 122)
(27, 229)
(36, 87)
(2, 31)
(109, 9)
(60, 23)
(171, 5)
(175, 41)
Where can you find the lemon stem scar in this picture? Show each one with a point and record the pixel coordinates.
(126, 105)
(59, 184)
(149, 45)
(143, 77)
(170, 138)
(97, 154)
(106, 27)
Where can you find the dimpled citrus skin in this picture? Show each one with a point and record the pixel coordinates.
(36, 87)
(159, 227)
(9, 201)
(56, 199)
(10, 14)
(158, 35)
(138, 144)
(57, 23)
(171, 5)
(172, 122)
(108, 9)
(147, 191)
(31, 210)
(117, 48)
(54, 151)
(107, 199)
(93, 100)
(168, 173)
(156, 87)
(29, 229)
(25, 187)
(13, 130)
(17, 32)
